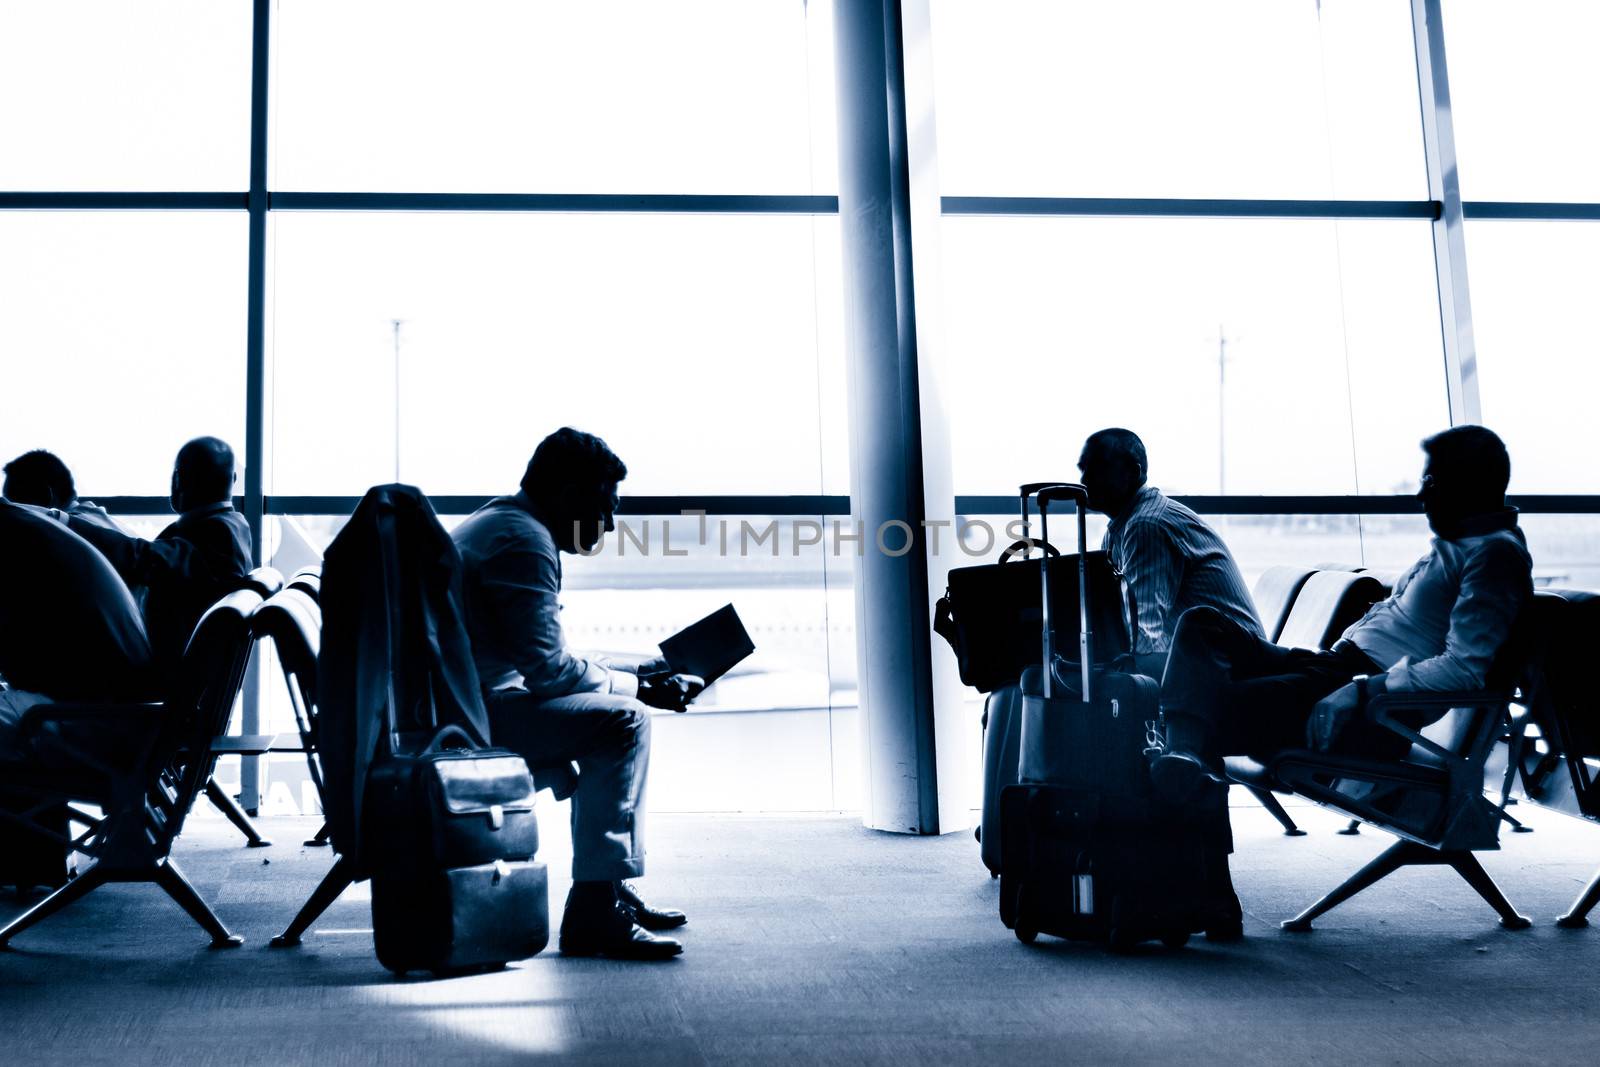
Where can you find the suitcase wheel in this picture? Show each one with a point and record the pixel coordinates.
(1175, 939)
(1026, 929)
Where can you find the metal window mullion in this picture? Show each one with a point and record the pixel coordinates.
(255, 369)
(1449, 238)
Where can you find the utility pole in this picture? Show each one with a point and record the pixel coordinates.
(396, 323)
(1222, 422)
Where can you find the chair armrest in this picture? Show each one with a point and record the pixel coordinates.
(1383, 707)
(34, 729)
(39, 716)
(244, 744)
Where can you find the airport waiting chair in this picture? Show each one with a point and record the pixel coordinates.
(292, 620)
(1560, 766)
(1432, 799)
(1308, 609)
(1274, 594)
(308, 580)
(142, 765)
(264, 581)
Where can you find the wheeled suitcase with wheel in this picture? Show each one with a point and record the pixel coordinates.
(989, 615)
(1088, 852)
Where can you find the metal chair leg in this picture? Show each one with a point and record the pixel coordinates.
(170, 878)
(320, 841)
(1352, 830)
(1271, 803)
(1391, 859)
(230, 807)
(1468, 867)
(335, 882)
(74, 890)
(1578, 916)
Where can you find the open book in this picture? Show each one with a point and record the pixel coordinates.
(710, 648)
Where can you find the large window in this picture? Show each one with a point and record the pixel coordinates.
(121, 336)
(1172, 98)
(1253, 355)
(706, 349)
(1218, 222)
(604, 96)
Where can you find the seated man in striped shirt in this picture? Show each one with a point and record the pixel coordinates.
(1170, 559)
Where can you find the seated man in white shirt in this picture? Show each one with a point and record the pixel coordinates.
(1228, 692)
(554, 707)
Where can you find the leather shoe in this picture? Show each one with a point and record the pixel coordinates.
(646, 916)
(611, 933)
(1178, 776)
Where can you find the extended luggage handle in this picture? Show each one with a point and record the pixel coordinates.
(1024, 491)
(1047, 494)
(1026, 546)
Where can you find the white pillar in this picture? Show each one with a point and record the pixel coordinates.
(912, 711)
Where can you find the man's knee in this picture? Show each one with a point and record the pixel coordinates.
(629, 725)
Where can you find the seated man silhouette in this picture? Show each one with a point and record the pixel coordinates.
(41, 479)
(1228, 691)
(1171, 560)
(555, 707)
(192, 563)
(69, 628)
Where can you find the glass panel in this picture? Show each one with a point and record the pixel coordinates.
(778, 733)
(1566, 550)
(1524, 90)
(123, 336)
(630, 96)
(1533, 286)
(707, 350)
(1316, 324)
(106, 94)
(1247, 98)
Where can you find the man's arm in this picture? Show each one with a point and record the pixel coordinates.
(175, 559)
(1152, 569)
(1494, 586)
(520, 587)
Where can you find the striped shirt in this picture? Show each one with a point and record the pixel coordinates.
(1172, 561)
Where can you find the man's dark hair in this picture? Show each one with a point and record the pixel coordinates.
(39, 477)
(205, 471)
(1473, 458)
(1119, 442)
(571, 460)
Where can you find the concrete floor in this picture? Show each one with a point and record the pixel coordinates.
(814, 940)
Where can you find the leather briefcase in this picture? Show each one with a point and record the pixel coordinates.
(451, 807)
(450, 835)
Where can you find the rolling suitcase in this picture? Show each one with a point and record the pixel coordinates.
(1002, 722)
(1088, 852)
(452, 834)
(1000, 610)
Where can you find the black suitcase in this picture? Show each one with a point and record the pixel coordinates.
(450, 834)
(1086, 867)
(1088, 852)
